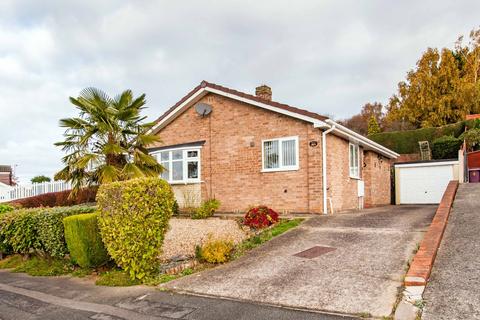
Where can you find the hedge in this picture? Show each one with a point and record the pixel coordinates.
(58, 199)
(446, 147)
(406, 142)
(51, 230)
(133, 220)
(36, 230)
(84, 241)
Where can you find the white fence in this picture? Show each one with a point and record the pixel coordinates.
(8, 193)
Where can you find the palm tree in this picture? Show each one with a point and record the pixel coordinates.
(107, 141)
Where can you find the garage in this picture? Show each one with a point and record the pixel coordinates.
(423, 182)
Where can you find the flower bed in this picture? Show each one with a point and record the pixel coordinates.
(185, 234)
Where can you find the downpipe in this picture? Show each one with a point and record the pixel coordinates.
(324, 167)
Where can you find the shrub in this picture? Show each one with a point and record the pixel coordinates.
(40, 229)
(176, 208)
(206, 209)
(215, 250)
(407, 141)
(84, 241)
(472, 139)
(51, 230)
(18, 230)
(133, 221)
(58, 199)
(5, 208)
(446, 147)
(260, 217)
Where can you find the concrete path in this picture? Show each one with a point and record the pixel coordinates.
(57, 298)
(453, 291)
(362, 274)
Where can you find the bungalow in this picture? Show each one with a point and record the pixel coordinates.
(245, 150)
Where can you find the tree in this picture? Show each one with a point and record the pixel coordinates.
(359, 122)
(40, 179)
(107, 141)
(443, 88)
(373, 126)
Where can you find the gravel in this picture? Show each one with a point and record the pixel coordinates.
(185, 234)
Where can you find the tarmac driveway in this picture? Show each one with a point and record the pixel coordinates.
(361, 275)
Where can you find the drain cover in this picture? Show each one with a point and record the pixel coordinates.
(314, 252)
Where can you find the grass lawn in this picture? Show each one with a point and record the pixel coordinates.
(112, 276)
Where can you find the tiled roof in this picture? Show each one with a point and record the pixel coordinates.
(205, 84)
(4, 168)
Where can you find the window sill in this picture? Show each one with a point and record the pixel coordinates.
(184, 182)
(355, 178)
(279, 170)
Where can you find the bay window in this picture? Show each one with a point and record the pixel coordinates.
(181, 165)
(280, 154)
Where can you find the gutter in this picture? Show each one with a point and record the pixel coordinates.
(362, 140)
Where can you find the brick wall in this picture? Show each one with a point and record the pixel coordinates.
(342, 189)
(377, 175)
(231, 158)
(6, 177)
(232, 154)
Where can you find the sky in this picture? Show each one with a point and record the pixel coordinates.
(330, 57)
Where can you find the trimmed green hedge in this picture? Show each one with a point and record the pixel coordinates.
(446, 147)
(51, 231)
(84, 241)
(405, 142)
(41, 229)
(133, 220)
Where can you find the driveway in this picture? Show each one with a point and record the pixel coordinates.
(63, 298)
(361, 275)
(453, 291)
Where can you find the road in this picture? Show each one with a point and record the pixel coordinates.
(57, 298)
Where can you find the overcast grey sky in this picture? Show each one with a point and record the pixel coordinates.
(327, 56)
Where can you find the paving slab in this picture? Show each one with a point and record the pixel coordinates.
(362, 275)
(453, 291)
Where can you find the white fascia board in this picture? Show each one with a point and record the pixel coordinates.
(426, 164)
(316, 122)
(200, 93)
(358, 138)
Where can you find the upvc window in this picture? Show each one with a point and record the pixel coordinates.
(181, 165)
(354, 160)
(280, 154)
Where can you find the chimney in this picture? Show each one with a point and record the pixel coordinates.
(264, 92)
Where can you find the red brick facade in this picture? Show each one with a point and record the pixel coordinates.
(231, 160)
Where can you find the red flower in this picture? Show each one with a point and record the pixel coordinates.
(260, 217)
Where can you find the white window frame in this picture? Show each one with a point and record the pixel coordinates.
(280, 155)
(351, 168)
(185, 161)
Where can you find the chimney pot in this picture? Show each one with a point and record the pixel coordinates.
(264, 92)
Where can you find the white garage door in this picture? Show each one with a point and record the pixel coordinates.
(424, 184)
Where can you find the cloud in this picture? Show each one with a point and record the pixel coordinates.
(328, 56)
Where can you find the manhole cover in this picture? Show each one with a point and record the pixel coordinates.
(314, 252)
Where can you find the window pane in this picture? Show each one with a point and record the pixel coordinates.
(270, 153)
(192, 169)
(165, 173)
(192, 154)
(177, 170)
(177, 154)
(164, 156)
(289, 153)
